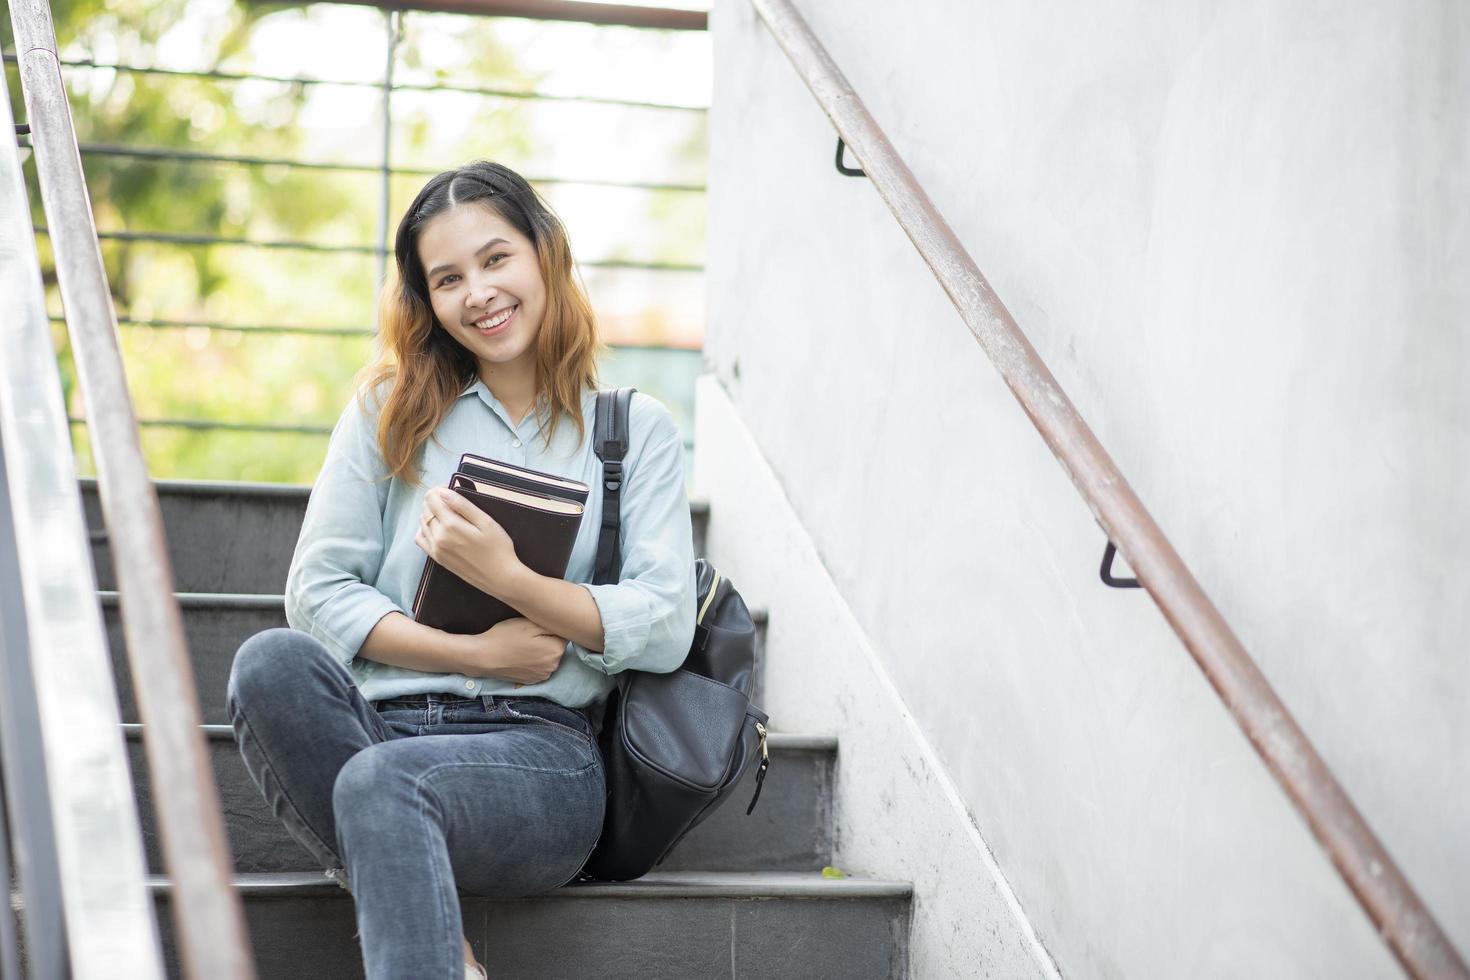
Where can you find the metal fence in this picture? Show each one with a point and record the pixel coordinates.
(664, 370)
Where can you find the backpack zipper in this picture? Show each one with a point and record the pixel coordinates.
(760, 774)
(714, 587)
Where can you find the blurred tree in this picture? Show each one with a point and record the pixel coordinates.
(243, 376)
(163, 292)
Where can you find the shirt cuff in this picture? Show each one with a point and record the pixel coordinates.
(625, 627)
(344, 626)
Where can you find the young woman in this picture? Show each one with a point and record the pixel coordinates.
(413, 763)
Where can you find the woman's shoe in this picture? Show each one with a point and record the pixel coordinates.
(474, 971)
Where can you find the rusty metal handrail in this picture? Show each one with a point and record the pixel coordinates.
(40, 477)
(208, 915)
(1413, 935)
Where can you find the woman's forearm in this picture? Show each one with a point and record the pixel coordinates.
(562, 607)
(401, 642)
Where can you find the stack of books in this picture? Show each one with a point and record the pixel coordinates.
(541, 513)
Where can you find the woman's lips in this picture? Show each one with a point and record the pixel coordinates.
(492, 331)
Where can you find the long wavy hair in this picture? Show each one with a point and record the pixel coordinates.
(427, 368)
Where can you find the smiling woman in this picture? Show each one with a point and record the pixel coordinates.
(487, 344)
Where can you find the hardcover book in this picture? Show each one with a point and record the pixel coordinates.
(540, 511)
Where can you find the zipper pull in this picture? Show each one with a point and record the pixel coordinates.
(760, 773)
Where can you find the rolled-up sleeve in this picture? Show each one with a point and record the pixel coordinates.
(648, 616)
(340, 550)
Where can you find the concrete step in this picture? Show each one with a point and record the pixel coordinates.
(214, 628)
(215, 625)
(664, 926)
(236, 537)
(790, 830)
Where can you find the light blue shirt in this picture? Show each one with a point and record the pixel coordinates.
(356, 560)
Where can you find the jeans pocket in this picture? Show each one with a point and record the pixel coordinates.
(553, 714)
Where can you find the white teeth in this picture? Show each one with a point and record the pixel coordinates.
(497, 321)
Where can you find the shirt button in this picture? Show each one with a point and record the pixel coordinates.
(469, 685)
(516, 443)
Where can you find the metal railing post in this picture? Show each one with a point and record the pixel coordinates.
(87, 907)
(9, 928)
(27, 801)
(112, 931)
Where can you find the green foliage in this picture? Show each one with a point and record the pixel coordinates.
(246, 376)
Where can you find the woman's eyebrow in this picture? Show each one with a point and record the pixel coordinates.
(450, 265)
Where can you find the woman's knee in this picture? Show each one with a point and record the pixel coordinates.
(370, 782)
(357, 779)
(271, 658)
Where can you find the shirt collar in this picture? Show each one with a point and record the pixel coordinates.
(478, 386)
(488, 397)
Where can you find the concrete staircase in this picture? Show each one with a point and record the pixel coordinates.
(740, 897)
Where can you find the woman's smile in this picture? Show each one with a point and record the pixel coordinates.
(492, 325)
(485, 287)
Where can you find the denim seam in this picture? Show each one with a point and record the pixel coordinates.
(499, 765)
(271, 769)
(571, 728)
(423, 794)
(595, 841)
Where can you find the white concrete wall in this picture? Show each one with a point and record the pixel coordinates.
(897, 810)
(1240, 236)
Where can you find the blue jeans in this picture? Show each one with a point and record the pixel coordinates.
(404, 804)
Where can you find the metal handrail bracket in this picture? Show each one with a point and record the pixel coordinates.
(108, 912)
(111, 928)
(1413, 935)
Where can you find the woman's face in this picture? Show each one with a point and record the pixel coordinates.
(479, 266)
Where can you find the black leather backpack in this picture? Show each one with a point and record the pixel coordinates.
(673, 745)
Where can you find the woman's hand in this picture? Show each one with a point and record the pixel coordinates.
(514, 650)
(466, 540)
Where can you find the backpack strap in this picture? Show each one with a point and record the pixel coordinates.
(610, 442)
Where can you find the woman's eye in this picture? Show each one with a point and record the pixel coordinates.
(493, 260)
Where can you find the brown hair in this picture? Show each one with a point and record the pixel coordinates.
(427, 367)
